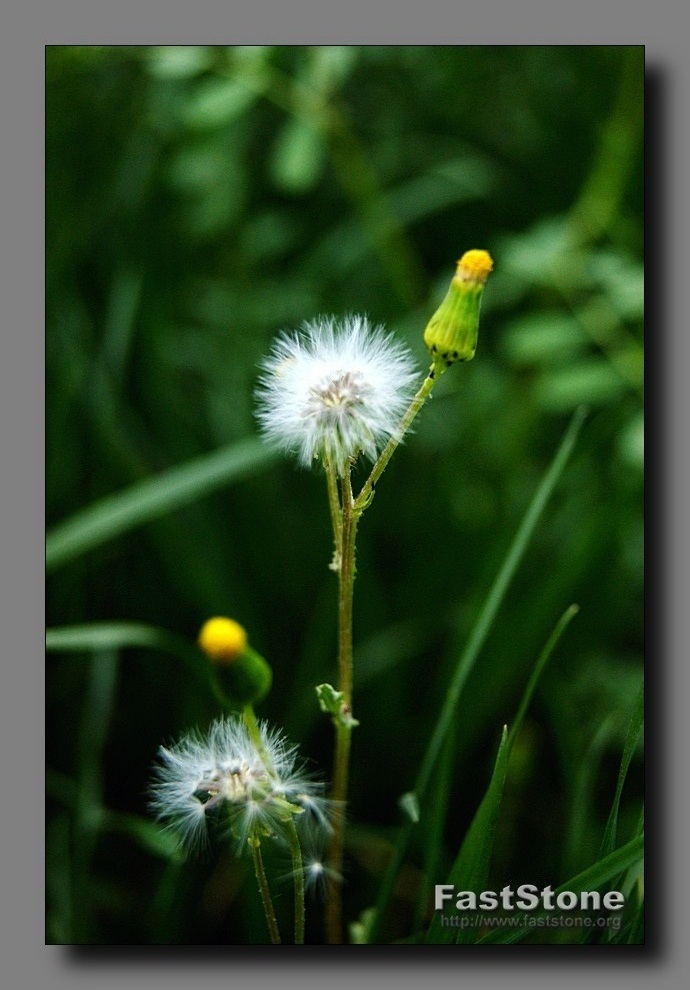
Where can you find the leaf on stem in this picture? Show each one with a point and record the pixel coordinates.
(333, 703)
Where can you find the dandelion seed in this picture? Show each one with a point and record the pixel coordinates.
(334, 390)
(318, 875)
(228, 777)
(315, 870)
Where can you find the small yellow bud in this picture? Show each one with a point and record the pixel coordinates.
(239, 675)
(223, 640)
(451, 334)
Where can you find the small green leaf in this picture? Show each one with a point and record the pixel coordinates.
(329, 698)
(333, 703)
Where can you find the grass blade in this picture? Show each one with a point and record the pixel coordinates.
(592, 878)
(608, 843)
(471, 868)
(92, 637)
(480, 631)
(117, 514)
(495, 597)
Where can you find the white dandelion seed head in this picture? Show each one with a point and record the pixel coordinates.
(226, 776)
(334, 389)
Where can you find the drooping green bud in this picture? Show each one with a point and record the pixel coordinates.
(451, 333)
(240, 675)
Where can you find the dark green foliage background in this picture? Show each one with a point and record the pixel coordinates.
(198, 201)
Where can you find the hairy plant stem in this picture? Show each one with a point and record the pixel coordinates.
(343, 723)
(336, 514)
(298, 876)
(365, 496)
(293, 839)
(255, 734)
(345, 515)
(269, 910)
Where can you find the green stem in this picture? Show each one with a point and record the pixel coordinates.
(343, 726)
(269, 910)
(346, 585)
(336, 514)
(298, 874)
(252, 724)
(250, 720)
(347, 515)
(364, 497)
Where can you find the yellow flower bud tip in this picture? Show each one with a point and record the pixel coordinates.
(475, 266)
(223, 640)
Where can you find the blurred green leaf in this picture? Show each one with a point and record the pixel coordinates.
(622, 280)
(177, 61)
(215, 103)
(592, 382)
(543, 338)
(298, 157)
(608, 842)
(631, 441)
(92, 637)
(154, 497)
(144, 832)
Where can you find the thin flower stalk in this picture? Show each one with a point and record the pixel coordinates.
(344, 723)
(367, 491)
(298, 880)
(271, 920)
(336, 514)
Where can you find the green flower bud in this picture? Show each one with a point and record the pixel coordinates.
(451, 334)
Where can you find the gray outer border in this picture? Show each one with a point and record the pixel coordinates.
(663, 27)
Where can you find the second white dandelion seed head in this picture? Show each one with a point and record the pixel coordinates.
(250, 785)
